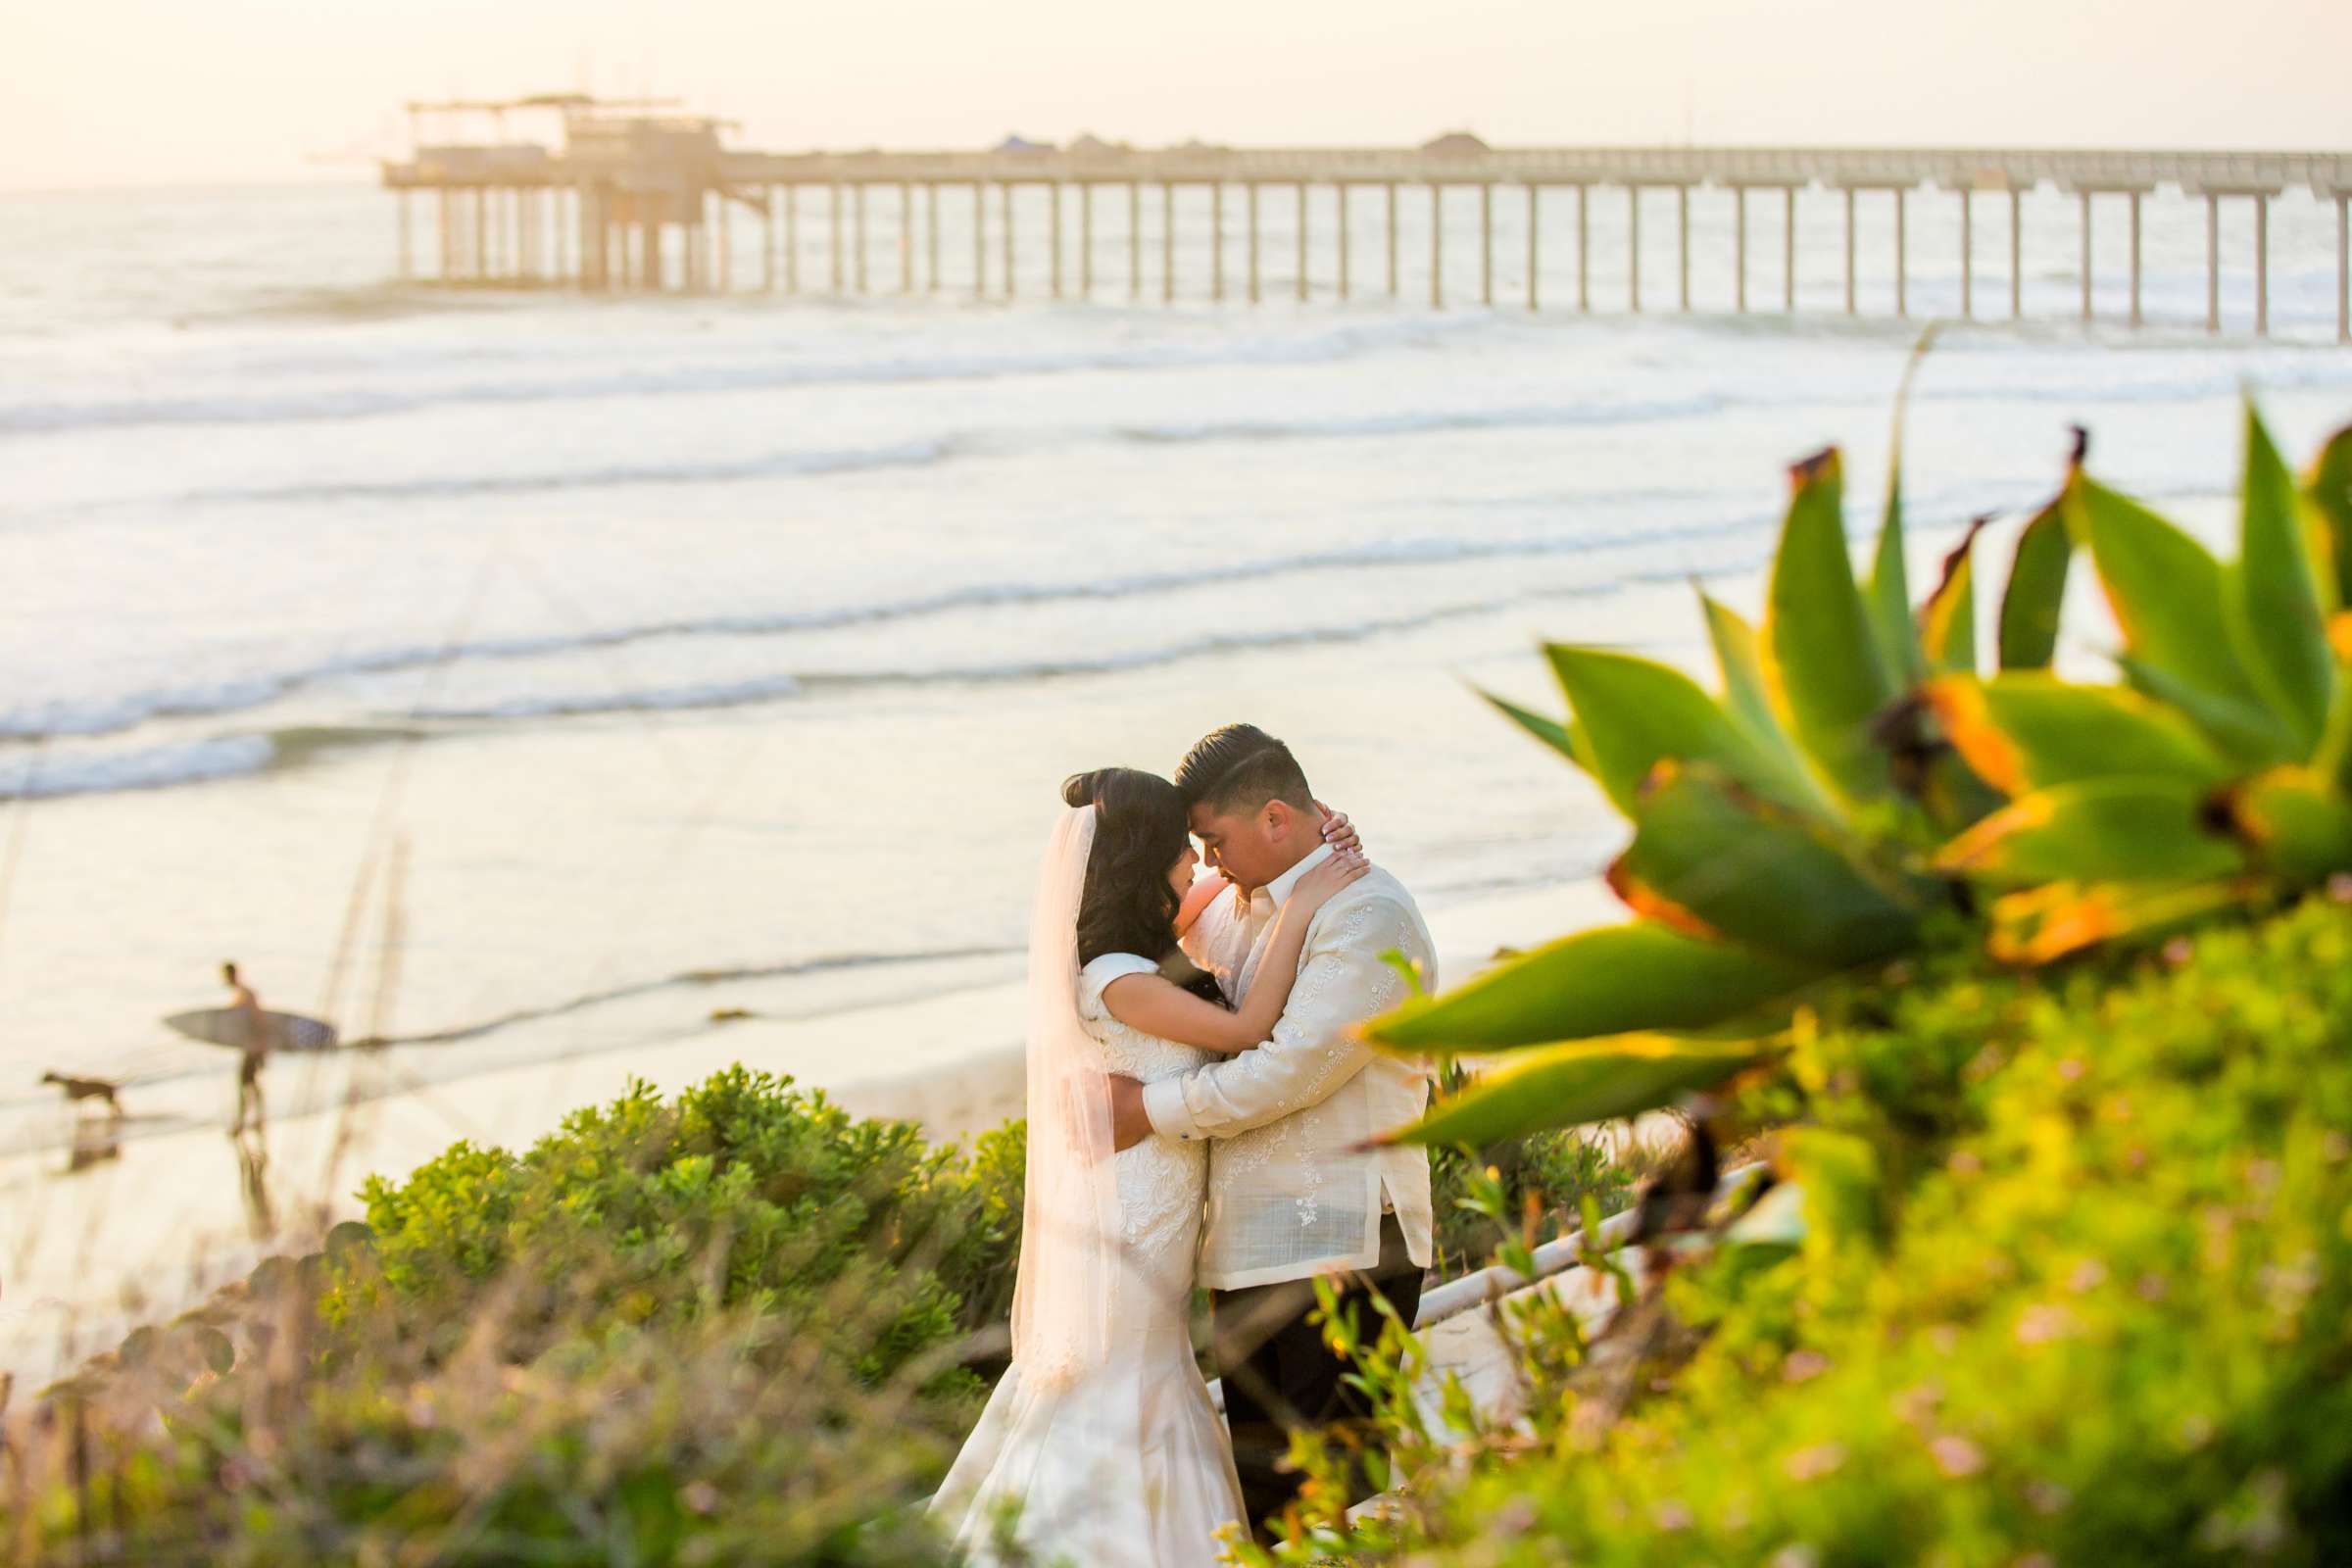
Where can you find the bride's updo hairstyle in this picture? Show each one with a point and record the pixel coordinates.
(1140, 832)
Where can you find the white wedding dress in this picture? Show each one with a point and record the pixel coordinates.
(1128, 1466)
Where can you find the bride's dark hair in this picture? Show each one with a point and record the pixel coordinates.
(1140, 832)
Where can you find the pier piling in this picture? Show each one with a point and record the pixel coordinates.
(1392, 239)
(1968, 253)
(1633, 247)
(1533, 266)
(1682, 240)
(1740, 248)
(1167, 243)
(1302, 242)
(1437, 246)
(1485, 244)
(1343, 239)
(2017, 254)
(1250, 191)
(1584, 247)
(1849, 250)
(1788, 250)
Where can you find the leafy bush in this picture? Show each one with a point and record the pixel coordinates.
(2072, 1284)
(721, 1330)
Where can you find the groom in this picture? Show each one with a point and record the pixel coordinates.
(1292, 1192)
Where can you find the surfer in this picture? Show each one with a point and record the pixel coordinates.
(255, 1048)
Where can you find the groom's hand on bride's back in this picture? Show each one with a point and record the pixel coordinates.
(1129, 1126)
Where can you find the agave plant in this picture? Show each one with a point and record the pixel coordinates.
(1857, 787)
(2220, 769)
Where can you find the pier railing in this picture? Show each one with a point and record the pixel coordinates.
(596, 212)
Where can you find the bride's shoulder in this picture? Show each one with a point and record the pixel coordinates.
(1101, 971)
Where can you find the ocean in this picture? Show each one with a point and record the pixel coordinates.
(516, 675)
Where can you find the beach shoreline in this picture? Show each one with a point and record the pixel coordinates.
(156, 1228)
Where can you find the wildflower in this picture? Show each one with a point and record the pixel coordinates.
(2047, 1497)
(1803, 1365)
(1672, 1515)
(2178, 951)
(2037, 1325)
(1957, 1456)
(1810, 1464)
(700, 1495)
(2088, 1275)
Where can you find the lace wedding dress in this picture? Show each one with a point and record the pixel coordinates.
(1127, 1465)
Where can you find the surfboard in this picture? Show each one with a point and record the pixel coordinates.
(228, 1026)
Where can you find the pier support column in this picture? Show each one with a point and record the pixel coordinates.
(1054, 235)
(931, 236)
(767, 240)
(1902, 260)
(1849, 250)
(1437, 246)
(1584, 247)
(726, 246)
(1788, 250)
(792, 239)
(1485, 244)
(833, 233)
(2017, 254)
(2343, 267)
(1251, 188)
(1739, 249)
(1167, 243)
(1012, 272)
(1343, 238)
(402, 268)
(1216, 240)
(1302, 242)
(2261, 263)
(2086, 257)
(1681, 242)
(1533, 267)
(1392, 239)
(448, 236)
(2135, 315)
(1633, 246)
(905, 238)
(979, 240)
(858, 198)
(2213, 263)
(1135, 240)
(481, 233)
(1968, 254)
(1086, 241)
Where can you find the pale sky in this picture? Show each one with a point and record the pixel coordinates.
(110, 92)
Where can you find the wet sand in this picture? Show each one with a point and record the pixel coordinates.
(88, 1255)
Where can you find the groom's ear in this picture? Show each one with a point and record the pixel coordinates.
(1278, 818)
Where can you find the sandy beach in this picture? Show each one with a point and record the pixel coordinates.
(88, 1255)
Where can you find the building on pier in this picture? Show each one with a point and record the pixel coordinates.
(595, 207)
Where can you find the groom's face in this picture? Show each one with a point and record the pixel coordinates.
(1249, 847)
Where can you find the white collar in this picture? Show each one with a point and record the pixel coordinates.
(1281, 887)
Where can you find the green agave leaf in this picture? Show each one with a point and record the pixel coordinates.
(1571, 1084)
(1633, 713)
(2037, 590)
(1609, 980)
(1947, 621)
(2165, 588)
(2028, 731)
(1705, 847)
(2332, 759)
(2097, 830)
(1821, 663)
(2244, 732)
(2272, 608)
(1888, 597)
(2327, 488)
(1561, 737)
(2042, 924)
(2294, 823)
(1743, 667)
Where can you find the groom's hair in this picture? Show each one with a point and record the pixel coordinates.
(1240, 768)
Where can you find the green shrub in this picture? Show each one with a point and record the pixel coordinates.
(721, 1330)
(2073, 1286)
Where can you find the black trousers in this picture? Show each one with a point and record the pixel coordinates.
(1280, 1376)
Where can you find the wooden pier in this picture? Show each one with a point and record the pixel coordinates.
(596, 209)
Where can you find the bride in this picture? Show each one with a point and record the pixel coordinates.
(1101, 1447)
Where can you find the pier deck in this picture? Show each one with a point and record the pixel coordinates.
(593, 209)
